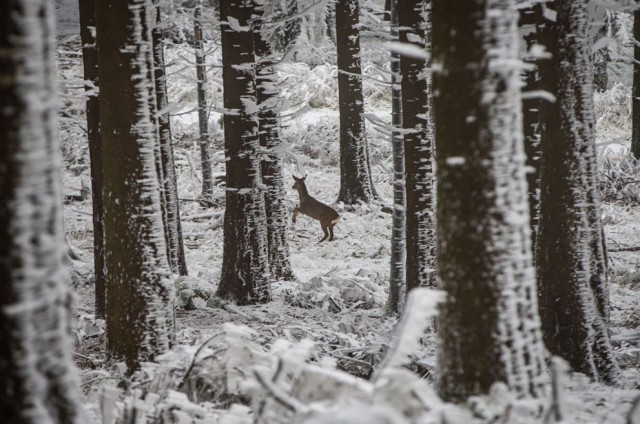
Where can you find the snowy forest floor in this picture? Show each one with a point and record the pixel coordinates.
(332, 315)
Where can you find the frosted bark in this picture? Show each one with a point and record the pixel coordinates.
(203, 111)
(418, 149)
(356, 183)
(397, 286)
(245, 268)
(38, 382)
(140, 294)
(635, 95)
(272, 165)
(90, 62)
(171, 207)
(571, 261)
(489, 329)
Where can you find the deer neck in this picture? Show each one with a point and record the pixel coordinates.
(303, 193)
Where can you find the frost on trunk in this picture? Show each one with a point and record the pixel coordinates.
(203, 112)
(37, 376)
(272, 165)
(489, 329)
(171, 207)
(529, 19)
(355, 170)
(398, 241)
(245, 268)
(90, 62)
(140, 317)
(418, 149)
(635, 94)
(571, 257)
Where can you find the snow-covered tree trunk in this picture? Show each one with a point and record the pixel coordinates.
(635, 93)
(418, 148)
(571, 261)
(140, 294)
(90, 62)
(171, 208)
(203, 110)
(488, 328)
(398, 239)
(38, 381)
(245, 267)
(272, 165)
(356, 183)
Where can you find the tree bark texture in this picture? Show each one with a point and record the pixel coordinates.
(169, 184)
(488, 328)
(356, 183)
(140, 293)
(90, 62)
(203, 110)
(245, 268)
(271, 165)
(571, 258)
(418, 149)
(38, 382)
(397, 286)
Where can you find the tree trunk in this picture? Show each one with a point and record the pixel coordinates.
(397, 286)
(245, 268)
(90, 62)
(140, 316)
(203, 110)
(356, 183)
(171, 208)
(271, 165)
(489, 330)
(635, 93)
(37, 377)
(418, 148)
(572, 275)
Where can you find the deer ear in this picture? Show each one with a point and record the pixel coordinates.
(303, 178)
(295, 178)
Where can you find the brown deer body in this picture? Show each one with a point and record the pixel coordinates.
(309, 206)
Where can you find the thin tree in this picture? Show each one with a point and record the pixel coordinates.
(203, 111)
(140, 317)
(169, 185)
(635, 91)
(488, 328)
(418, 148)
(37, 377)
(90, 62)
(398, 240)
(272, 164)
(245, 269)
(571, 256)
(356, 183)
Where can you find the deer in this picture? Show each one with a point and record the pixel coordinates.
(309, 206)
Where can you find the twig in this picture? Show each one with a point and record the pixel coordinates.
(193, 361)
(282, 398)
(625, 249)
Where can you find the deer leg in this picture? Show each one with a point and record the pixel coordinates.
(331, 233)
(294, 215)
(326, 233)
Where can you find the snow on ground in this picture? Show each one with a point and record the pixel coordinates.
(332, 315)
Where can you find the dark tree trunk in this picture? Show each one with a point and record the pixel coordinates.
(139, 308)
(356, 183)
(271, 165)
(171, 209)
(38, 382)
(397, 286)
(418, 148)
(571, 262)
(635, 93)
(90, 62)
(245, 268)
(488, 326)
(203, 110)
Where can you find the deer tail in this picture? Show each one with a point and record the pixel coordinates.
(335, 221)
